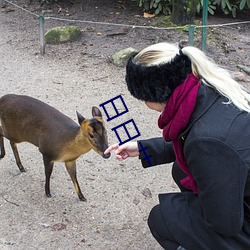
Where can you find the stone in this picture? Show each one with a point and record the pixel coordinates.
(239, 76)
(121, 58)
(63, 34)
(147, 193)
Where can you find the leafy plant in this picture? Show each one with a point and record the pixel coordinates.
(227, 7)
(158, 6)
(244, 3)
(165, 6)
(211, 7)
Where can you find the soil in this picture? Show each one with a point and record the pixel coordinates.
(77, 76)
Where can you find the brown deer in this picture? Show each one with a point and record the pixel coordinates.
(59, 138)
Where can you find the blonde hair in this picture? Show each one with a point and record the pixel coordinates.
(202, 67)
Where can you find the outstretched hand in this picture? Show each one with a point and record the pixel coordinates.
(129, 149)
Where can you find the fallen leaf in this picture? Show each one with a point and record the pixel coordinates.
(58, 227)
(147, 15)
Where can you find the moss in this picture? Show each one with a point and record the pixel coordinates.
(121, 58)
(63, 34)
(163, 22)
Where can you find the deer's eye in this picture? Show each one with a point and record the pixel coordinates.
(91, 136)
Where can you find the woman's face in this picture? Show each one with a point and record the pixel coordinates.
(156, 106)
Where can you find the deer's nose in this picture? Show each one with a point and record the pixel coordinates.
(106, 156)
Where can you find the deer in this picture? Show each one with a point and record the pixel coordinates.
(58, 138)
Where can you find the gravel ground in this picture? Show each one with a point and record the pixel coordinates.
(77, 76)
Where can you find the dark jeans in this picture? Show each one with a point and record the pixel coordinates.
(156, 222)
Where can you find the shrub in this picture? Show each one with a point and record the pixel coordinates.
(165, 6)
(156, 6)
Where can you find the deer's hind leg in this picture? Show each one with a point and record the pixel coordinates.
(48, 164)
(18, 161)
(1, 144)
(71, 168)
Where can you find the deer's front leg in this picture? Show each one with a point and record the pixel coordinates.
(71, 168)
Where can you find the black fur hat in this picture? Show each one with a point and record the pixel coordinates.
(156, 83)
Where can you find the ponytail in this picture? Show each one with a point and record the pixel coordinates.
(218, 78)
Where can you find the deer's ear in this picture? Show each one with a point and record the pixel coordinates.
(96, 112)
(80, 118)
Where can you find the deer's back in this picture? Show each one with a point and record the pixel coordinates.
(24, 118)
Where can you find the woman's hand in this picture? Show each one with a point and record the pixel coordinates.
(129, 149)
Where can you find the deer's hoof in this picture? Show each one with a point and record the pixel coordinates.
(82, 198)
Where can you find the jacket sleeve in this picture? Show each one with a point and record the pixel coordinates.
(220, 173)
(155, 151)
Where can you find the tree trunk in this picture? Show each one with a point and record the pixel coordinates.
(183, 11)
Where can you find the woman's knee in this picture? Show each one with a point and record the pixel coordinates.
(159, 229)
(153, 218)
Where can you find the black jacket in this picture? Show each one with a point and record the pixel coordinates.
(216, 145)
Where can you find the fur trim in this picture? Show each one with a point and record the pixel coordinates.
(156, 83)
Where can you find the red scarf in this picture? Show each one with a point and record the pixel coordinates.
(174, 119)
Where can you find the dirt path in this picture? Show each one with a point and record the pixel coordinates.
(74, 77)
(115, 214)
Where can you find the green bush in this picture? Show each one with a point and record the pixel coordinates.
(211, 7)
(227, 6)
(232, 6)
(156, 6)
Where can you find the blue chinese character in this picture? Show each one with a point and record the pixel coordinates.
(146, 156)
(112, 102)
(129, 137)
